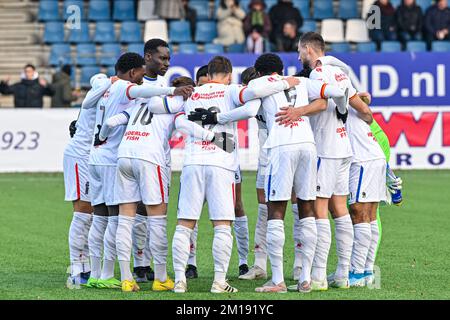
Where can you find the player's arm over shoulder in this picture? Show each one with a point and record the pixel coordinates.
(166, 104)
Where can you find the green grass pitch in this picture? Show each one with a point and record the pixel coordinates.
(34, 221)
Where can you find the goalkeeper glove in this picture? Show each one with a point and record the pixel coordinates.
(224, 141)
(203, 115)
(73, 128)
(97, 141)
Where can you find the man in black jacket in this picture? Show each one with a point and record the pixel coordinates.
(437, 21)
(281, 13)
(29, 92)
(409, 20)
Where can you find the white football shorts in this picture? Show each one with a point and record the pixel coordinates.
(368, 181)
(76, 178)
(333, 176)
(102, 180)
(213, 184)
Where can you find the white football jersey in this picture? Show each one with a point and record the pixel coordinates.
(263, 158)
(146, 138)
(221, 98)
(329, 132)
(298, 132)
(364, 144)
(114, 101)
(80, 144)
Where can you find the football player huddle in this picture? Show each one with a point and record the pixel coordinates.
(320, 148)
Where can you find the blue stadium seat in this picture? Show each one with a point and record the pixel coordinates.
(188, 48)
(243, 4)
(104, 32)
(440, 46)
(366, 47)
(180, 31)
(340, 47)
(110, 53)
(416, 46)
(304, 7)
(348, 9)
(80, 35)
(424, 4)
(86, 54)
(136, 47)
(124, 10)
(395, 3)
(130, 31)
(308, 25)
(270, 4)
(48, 11)
(214, 48)
(391, 46)
(68, 3)
(54, 32)
(59, 54)
(111, 71)
(86, 73)
(205, 31)
(99, 10)
(323, 9)
(202, 8)
(236, 48)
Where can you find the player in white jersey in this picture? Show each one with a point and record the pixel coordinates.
(208, 173)
(76, 181)
(335, 156)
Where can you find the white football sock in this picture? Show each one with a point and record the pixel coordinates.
(361, 245)
(109, 248)
(159, 246)
(77, 240)
(261, 237)
(275, 244)
(308, 240)
(193, 247)
(180, 251)
(344, 245)
(124, 244)
(95, 240)
(319, 266)
(297, 241)
(139, 235)
(148, 254)
(241, 233)
(221, 250)
(375, 232)
(85, 253)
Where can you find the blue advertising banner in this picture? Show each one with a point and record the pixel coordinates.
(393, 79)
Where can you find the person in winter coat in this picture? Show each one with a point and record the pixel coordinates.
(257, 17)
(281, 13)
(388, 27)
(29, 92)
(63, 90)
(437, 21)
(230, 27)
(409, 20)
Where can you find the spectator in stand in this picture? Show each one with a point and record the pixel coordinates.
(256, 43)
(169, 9)
(190, 15)
(388, 27)
(257, 17)
(437, 22)
(409, 20)
(63, 93)
(29, 92)
(230, 26)
(288, 42)
(279, 14)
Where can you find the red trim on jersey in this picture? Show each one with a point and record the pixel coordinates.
(214, 81)
(161, 187)
(322, 91)
(177, 115)
(128, 91)
(241, 100)
(234, 197)
(77, 178)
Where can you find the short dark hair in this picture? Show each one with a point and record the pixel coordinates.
(219, 64)
(151, 46)
(29, 65)
(269, 63)
(248, 75)
(128, 61)
(201, 72)
(314, 40)
(67, 69)
(182, 81)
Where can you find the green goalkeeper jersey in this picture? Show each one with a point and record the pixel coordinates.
(382, 139)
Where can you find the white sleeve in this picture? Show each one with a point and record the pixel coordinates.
(166, 104)
(191, 128)
(320, 90)
(115, 121)
(134, 91)
(330, 60)
(248, 110)
(94, 95)
(258, 88)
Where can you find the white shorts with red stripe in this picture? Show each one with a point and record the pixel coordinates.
(212, 184)
(102, 180)
(140, 180)
(76, 178)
